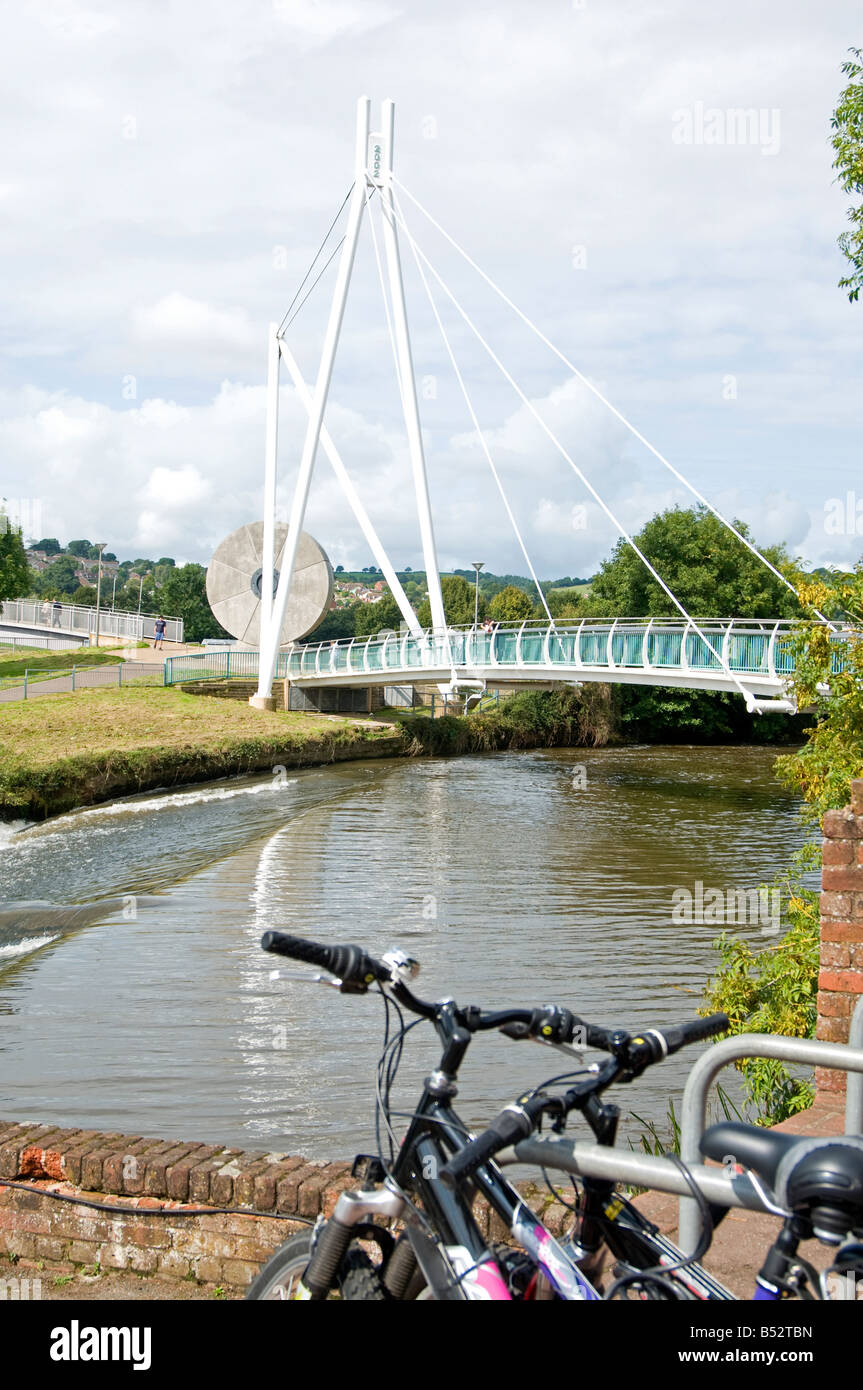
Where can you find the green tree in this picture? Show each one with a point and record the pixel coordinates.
(85, 596)
(708, 569)
(49, 546)
(15, 575)
(338, 624)
(847, 141)
(60, 576)
(563, 605)
(184, 596)
(458, 602)
(377, 617)
(511, 605)
(83, 549)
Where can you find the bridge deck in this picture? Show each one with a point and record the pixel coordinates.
(706, 655)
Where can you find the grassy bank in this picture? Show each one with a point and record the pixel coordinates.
(14, 661)
(73, 750)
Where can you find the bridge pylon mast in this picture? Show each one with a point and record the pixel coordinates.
(373, 168)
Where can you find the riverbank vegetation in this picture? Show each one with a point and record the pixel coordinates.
(775, 990)
(533, 719)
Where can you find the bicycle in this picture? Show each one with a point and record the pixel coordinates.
(441, 1252)
(815, 1185)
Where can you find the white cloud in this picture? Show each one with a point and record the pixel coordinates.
(178, 321)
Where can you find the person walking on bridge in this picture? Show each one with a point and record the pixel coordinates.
(159, 633)
(56, 612)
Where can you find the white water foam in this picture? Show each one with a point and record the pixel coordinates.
(23, 948)
(10, 828)
(171, 800)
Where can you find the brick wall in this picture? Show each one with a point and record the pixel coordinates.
(134, 1175)
(840, 981)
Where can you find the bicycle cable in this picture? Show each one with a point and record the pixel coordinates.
(659, 1273)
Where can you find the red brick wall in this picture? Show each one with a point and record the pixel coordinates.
(134, 1174)
(840, 980)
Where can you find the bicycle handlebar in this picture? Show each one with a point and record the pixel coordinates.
(349, 963)
(631, 1057)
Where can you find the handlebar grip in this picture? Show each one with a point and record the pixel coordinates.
(655, 1043)
(512, 1124)
(695, 1031)
(349, 963)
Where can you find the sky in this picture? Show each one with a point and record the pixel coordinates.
(650, 183)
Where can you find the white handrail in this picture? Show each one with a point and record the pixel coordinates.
(609, 659)
(645, 659)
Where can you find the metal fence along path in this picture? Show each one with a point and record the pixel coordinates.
(64, 680)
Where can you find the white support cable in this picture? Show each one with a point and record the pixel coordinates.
(476, 424)
(573, 465)
(585, 381)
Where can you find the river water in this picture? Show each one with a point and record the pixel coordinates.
(514, 878)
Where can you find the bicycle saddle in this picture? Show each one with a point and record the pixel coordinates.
(819, 1178)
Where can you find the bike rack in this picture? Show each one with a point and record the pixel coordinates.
(585, 1159)
(840, 1056)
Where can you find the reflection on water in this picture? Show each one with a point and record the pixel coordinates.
(509, 879)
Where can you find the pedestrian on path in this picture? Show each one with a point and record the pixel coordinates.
(159, 633)
(57, 612)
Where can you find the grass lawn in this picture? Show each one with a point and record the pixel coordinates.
(68, 750)
(14, 661)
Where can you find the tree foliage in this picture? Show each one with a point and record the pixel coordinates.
(847, 141)
(184, 595)
(511, 605)
(774, 990)
(458, 602)
(708, 569)
(828, 679)
(14, 570)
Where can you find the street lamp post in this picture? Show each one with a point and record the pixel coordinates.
(140, 592)
(114, 593)
(478, 565)
(100, 548)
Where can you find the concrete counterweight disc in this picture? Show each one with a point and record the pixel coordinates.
(234, 584)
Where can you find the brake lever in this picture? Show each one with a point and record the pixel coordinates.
(520, 1032)
(299, 977)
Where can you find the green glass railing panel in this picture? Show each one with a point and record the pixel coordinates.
(704, 653)
(532, 645)
(594, 648)
(561, 648)
(664, 648)
(747, 651)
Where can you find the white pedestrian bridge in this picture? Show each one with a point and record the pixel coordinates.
(751, 657)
